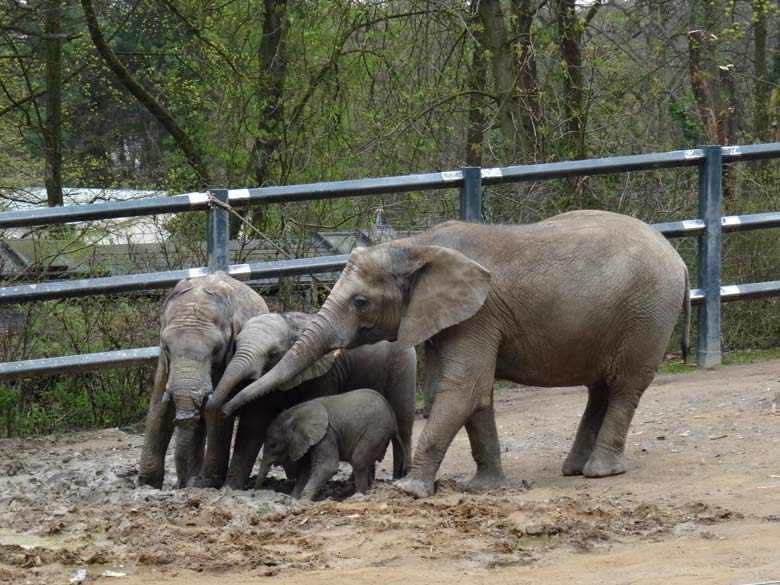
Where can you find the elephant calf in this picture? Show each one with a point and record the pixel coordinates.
(355, 427)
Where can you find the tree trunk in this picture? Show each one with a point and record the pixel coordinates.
(497, 40)
(522, 17)
(705, 81)
(273, 69)
(761, 103)
(477, 83)
(713, 89)
(270, 87)
(163, 116)
(569, 37)
(53, 129)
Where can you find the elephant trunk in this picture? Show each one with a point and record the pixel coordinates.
(235, 372)
(184, 455)
(265, 467)
(316, 340)
(189, 385)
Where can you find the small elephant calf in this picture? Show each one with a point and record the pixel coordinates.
(355, 427)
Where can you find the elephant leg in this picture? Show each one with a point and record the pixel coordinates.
(219, 433)
(157, 437)
(196, 451)
(362, 479)
(302, 477)
(485, 448)
(401, 394)
(430, 377)
(252, 424)
(187, 442)
(324, 464)
(292, 470)
(446, 419)
(588, 430)
(467, 366)
(608, 454)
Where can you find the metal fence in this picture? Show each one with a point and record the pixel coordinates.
(708, 227)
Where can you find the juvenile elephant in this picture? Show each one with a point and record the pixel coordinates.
(387, 367)
(355, 427)
(584, 298)
(199, 321)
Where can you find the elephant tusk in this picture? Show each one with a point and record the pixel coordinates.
(337, 353)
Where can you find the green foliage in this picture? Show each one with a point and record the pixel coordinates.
(683, 113)
(75, 402)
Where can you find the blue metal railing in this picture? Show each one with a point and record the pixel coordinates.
(708, 227)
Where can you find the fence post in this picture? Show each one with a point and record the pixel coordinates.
(471, 195)
(710, 210)
(218, 232)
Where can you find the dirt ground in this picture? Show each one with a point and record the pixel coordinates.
(700, 504)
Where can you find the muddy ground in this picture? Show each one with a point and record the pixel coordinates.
(700, 503)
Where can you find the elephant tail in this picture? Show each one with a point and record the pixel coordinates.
(686, 334)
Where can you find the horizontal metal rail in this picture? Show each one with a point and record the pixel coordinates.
(729, 223)
(741, 292)
(91, 361)
(355, 188)
(751, 152)
(157, 280)
(596, 166)
(110, 210)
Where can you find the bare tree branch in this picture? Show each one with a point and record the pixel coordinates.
(163, 116)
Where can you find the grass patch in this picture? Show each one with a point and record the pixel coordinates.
(731, 358)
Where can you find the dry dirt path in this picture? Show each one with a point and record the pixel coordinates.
(700, 504)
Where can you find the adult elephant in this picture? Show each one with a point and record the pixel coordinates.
(584, 298)
(198, 324)
(388, 368)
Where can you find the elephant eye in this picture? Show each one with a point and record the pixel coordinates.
(360, 302)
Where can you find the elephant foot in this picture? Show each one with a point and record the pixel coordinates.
(154, 481)
(574, 464)
(236, 484)
(484, 481)
(604, 464)
(419, 488)
(205, 481)
(238, 481)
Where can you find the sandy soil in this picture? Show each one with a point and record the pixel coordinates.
(700, 503)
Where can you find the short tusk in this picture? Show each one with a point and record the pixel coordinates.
(337, 353)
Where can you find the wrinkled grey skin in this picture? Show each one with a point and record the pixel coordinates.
(388, 367)
(198, 323)
(354, 427)
(584, 298)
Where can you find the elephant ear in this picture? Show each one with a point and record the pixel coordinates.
(160, 377)
(181, 287)
(308, 425)
(446, 287)
(317, 369)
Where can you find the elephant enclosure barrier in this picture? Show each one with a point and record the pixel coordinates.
(708, 228)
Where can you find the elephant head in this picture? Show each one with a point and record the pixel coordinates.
(290, 436)
(395, 291)
(262, 342)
